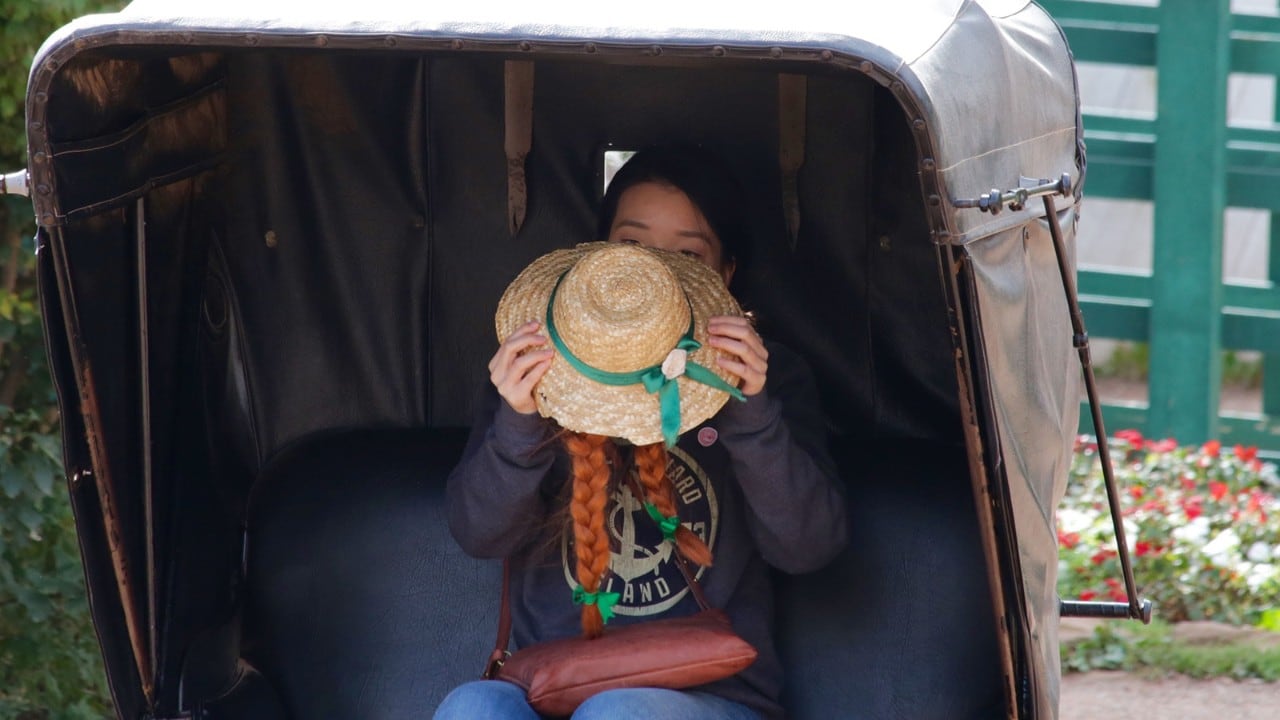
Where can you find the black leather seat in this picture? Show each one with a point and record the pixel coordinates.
(900, 626)
(359, 604)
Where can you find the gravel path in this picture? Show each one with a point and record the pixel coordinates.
(1115, 695)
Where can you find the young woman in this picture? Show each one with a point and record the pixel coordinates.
(752, 484)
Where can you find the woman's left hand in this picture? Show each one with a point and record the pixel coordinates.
(746, 356)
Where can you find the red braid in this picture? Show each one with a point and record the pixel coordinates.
(651, 462)
(586, 508)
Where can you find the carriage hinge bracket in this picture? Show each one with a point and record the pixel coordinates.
(1016, 199)
(14, 183)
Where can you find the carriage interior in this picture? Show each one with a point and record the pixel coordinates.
(325, 240)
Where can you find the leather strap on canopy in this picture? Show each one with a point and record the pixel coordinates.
(519, 138)
(792, 95)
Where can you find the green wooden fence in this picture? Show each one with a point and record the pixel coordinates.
(1192, 166)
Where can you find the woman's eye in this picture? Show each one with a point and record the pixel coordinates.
(692, 253)
(629, 241)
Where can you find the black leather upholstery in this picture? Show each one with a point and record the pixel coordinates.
(359, 604)
(900, 626)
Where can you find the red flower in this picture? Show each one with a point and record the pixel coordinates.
(1212, 448)
(1101, 556)
(1112, 583)
(1217, 489)
(1136, 492)
(1142, 548)
(1133, 437)
(1188, 483)
(1118, 595)
(1068, 540)
(1246, 453)
(1088, 594)
(1191, 506)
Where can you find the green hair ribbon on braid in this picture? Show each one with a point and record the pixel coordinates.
(668, 524)
(604, 601)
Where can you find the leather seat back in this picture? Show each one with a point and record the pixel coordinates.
(359, 604)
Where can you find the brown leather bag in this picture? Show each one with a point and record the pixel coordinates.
(674, 653)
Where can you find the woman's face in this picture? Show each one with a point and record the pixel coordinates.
(660, 216)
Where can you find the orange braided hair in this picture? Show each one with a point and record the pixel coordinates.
(586, 508)
(651, 464)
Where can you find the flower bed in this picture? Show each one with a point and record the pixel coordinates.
(1202, 524)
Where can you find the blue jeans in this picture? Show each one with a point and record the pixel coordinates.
(498, 700)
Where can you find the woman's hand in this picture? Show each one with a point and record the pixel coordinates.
(747, 359)
(514, 372)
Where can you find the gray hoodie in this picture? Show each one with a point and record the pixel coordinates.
(755, 481)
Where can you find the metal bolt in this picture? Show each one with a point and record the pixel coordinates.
(718, 51)
(885, 243)
(389, 41)
(322, 40)
(865, 66)
(43, 189)
(271, 239)
(525, 46)
(250, 39)
(456, 44)
(52, 64)
(827, 55)
(918, 123)
(655, 49)
(591, 47)
(776, 52)
(935, 200)
(39, 156)
(42, 97)
(927, 163)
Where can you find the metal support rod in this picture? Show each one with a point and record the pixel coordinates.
(996, 200)
(144, 371)
(93, 426)
(1081, 342)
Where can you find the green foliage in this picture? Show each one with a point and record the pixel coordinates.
(1154, 649)
(50, 665)
(1131, 360)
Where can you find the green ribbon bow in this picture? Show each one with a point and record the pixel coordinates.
(667, 524)
(603, 600)
(651, 377)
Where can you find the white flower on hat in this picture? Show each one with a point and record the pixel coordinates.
(673, 366)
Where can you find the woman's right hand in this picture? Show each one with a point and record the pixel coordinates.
(515, 372)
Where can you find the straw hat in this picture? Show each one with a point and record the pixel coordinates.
(616, 312)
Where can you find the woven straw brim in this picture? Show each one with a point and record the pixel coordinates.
(628, 412)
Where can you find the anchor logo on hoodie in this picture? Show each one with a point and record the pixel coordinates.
(641, 567)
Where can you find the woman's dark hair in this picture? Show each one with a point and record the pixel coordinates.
(701, 175)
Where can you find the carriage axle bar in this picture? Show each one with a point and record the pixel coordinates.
(1121, 610)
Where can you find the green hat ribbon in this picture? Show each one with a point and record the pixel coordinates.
(653, 378)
